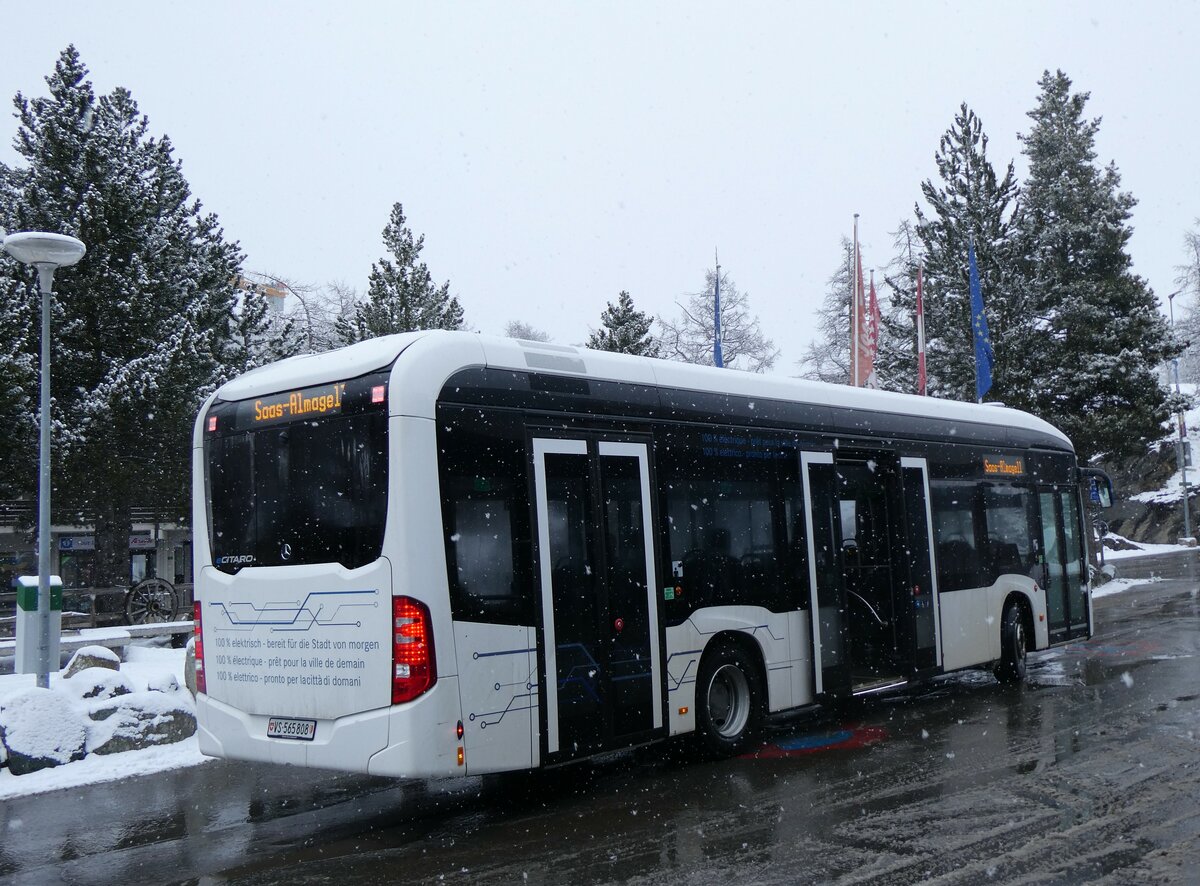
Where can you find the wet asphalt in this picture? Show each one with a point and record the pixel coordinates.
(1090, 772)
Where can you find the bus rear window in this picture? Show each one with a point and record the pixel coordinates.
(300, 492)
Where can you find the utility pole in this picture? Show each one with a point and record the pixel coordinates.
(1181, 459)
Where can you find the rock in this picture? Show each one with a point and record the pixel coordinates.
(163, 683)
(99, 683)
(189, 667)
(141, 720)
(92, 657)
(40, 728)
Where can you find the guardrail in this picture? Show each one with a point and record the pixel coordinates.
(113, 638)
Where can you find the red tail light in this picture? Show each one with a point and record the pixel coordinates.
(201, 683)
(413, 666)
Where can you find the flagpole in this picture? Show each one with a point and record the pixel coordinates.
(854, 318)
(921, 377)
(718, 357)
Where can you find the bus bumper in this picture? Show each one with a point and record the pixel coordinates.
(413, 740)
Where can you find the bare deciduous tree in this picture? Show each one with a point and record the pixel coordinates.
(689, 338)
(525, 331)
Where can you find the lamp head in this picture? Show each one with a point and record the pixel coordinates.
(38, 249)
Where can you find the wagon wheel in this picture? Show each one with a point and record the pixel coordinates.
(150, 601)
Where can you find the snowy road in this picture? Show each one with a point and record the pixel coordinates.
(1090, 773)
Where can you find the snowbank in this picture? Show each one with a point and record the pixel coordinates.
(143, 694)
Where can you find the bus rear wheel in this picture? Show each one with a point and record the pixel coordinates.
(729, 708)
(1013, 647)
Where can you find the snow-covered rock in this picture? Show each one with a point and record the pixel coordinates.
(163, 683)
(41, 728)
(140, 720)
(98, 683)
(92, 657)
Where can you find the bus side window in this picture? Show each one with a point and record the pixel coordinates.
(1008, 512)
(485, 510)
(731, 513)
(954, 535)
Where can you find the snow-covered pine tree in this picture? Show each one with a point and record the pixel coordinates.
(968, 201)
(624, 329)
(689, 338)
(140, 326)
(401, 294)
(18, 371)
(260, 335)
(896, 364)
(1099, 338)
(827, 357)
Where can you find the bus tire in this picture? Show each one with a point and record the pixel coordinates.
(729, 701)
(1013, 647)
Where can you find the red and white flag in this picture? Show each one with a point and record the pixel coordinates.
(871, 336)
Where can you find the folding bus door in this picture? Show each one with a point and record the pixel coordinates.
(826, 576)
(923, 615)
(600, 645)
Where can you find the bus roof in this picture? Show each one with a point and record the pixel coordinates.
(443, 353)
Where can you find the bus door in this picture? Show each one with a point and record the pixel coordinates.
(1062, 563)
(871, 573)
(921, 616)
(827, 586)
(600, 648)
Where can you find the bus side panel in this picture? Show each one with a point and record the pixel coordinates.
(684, 645)
(967, 628)
(799, 632)
(770, 631)
(971, 620)
(497, 668)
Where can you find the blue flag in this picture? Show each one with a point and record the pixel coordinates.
(984, 357)
(717, 361)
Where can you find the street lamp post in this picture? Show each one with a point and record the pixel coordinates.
(1180, 449)
(47, 253)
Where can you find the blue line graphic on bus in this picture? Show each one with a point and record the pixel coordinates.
(527, 700)
(582, 674)
(318, 609)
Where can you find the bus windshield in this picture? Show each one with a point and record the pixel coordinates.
(298, 486)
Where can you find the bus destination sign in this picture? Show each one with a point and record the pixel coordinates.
(1004, 466)
(291, 405)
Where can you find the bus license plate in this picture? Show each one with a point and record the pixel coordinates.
(284, 727)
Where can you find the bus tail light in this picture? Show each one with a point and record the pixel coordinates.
(201, 683)
(414, 669)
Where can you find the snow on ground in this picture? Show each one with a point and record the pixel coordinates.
(1172, 490)
(143, 666)
(1120, 584)
(1142, 549)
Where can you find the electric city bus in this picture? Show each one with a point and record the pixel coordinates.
(443, 553)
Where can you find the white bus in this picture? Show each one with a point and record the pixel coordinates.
(443, 553)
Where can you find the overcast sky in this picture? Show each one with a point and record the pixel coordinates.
(555, 154)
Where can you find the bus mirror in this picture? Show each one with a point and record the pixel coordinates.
(1099, 486)
(1100, 492)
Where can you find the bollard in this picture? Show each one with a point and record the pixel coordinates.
(31, 658)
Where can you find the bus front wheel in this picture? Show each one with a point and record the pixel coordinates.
(1013, 647)
(728, 701)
